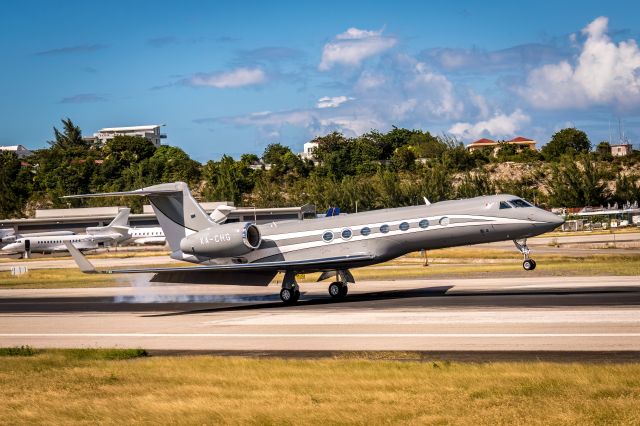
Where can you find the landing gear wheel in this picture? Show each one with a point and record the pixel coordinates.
(337, 290)
(289, 296)
(529, 265)
(344, 290)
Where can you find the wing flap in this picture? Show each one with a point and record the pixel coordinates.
(307, 265)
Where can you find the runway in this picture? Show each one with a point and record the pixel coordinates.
(532, 314)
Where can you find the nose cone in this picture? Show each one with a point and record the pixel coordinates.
(551, 220)
(10, 247)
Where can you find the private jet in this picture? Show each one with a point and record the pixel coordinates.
(245, 253)
(95, 237)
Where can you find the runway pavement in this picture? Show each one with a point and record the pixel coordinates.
(495, 314)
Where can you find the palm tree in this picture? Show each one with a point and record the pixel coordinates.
(69, 137)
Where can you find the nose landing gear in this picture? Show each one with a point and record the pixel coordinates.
(528, 264)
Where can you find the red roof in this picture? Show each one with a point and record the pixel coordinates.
(481, 141)
(521, 139)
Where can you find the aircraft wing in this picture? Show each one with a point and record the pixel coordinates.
(307, 265)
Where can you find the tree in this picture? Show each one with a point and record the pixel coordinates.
(69, 137)
(129, 149)
(274, 152)
(13, 189)
(576, 183)
(403, 159)
(474, 185)
(566, 141)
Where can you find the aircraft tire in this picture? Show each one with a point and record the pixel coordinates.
(344, 290)
(534, 264)
(287, 296)
(336, 290)
(528, 265)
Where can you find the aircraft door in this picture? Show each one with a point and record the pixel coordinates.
(27, 245)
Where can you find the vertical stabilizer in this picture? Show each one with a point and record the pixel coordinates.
(178, 213)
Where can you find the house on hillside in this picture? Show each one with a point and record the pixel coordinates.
(308, 150)
(488, 143)
(620, 150)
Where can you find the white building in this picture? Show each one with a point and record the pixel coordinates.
(308, 150)
(20, 150)
(151, 133)
(620, 150)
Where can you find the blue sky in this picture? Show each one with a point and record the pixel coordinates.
(231, 78)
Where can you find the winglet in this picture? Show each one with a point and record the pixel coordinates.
(427, 202)
(82, 262)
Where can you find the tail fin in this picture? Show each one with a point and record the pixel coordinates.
(121, 219)
(118, 224)
(178, 213)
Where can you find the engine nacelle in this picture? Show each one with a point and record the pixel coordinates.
(228, 240)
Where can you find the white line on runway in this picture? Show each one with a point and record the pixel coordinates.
(324, 335)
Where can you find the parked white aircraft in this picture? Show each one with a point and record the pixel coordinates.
(143, 236)
(98, 237)
(8, 236)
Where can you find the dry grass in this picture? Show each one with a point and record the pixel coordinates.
(59, 387)
(57, 278)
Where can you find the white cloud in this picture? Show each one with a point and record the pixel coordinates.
(235, 78)
(497, 126)
(605, 73)
(369, 80)
(354, 46)
(332, 102)
(440, 99)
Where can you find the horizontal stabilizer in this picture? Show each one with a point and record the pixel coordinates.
(139, 192)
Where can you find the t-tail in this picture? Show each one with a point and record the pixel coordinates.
(178, 213)
(120, 222)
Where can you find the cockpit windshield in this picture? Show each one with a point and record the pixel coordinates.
(504, 205)
(517, 203)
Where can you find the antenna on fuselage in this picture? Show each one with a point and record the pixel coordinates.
(426, 202)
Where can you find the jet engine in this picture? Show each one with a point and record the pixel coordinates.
(228, 240)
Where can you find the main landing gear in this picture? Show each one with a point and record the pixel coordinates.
(528, 264)
(290, 292)
(340, 287)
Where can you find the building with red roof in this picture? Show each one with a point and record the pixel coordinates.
(519, 141)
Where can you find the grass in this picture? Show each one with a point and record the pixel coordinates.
(72, 387)
(91, 255)
(57, 278)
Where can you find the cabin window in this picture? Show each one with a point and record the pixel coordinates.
(444, 221)
(424, 224)
(327, 236)
(504, 205)
(384, 228)
(365, 231)
(519, 203)
(404, 226)
(346, 234)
